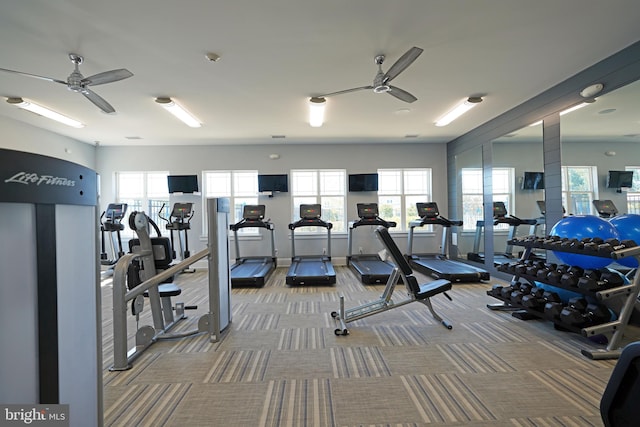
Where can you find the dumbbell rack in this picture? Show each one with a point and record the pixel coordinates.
(613, 328)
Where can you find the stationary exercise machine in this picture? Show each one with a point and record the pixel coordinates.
(111, 225)
(51, 350)
(500, 216)
(179, 222)
(438, 265)
(371, 268)
(311, 269)
(416, 292)
(213, 323)
(606, 208)
(252, 270)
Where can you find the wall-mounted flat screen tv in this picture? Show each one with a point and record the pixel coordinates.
(363, 182)
(620, 179)
(183, 183)
(276, 183)
(533, 181)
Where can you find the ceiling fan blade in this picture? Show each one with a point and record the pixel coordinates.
(98, 101)
(107, 77)
(401, 64)
(402, 95)
(340, 92)
(35, 76)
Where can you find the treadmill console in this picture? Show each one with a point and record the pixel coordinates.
(310, 211)
(367, 210)
(427, 210)
(253, 212)
(605, 208)
(499, 210)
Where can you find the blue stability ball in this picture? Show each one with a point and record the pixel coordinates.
(580, 227)
(628, 227)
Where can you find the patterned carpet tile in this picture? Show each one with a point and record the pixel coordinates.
(298, 403)
(357, 362)
(475, 358)
(579, 387)
(302, 339)
(144, 405)
(566, 421)
(446, 398)
(238, 366)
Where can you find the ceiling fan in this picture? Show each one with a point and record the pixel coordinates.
(382, 79)
(76, 82)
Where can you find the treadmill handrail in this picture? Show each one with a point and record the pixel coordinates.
(251, 223)
(439, 220)
(372, 221)
(310, 222)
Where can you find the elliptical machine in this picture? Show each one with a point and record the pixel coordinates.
(179, 221)
(113, 226)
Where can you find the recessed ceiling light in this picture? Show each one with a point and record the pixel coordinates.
(212, 57)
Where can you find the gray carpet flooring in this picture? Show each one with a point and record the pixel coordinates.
(280, 364)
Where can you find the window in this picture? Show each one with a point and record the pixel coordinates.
(241, 187)
(144, 191)
(633, 195)
(472, 188)
(398, 192)
(578, 189)
(324, 186)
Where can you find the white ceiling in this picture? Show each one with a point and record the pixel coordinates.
(276, 54)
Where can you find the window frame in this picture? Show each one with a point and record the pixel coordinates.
(592, 193)
(406, 208)
(249, 197)
(316, 191)
(150, 204)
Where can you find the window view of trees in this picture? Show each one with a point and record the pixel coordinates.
(578, 190)
(398, 192)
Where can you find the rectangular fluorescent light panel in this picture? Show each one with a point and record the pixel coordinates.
(178, 111)
(44, 112)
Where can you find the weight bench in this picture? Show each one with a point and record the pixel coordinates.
(417, 292)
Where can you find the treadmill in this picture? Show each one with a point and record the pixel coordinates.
(369, 267)
(438, 265)
(252, 271)
(310, 269)
(606, 208)
(500, 216)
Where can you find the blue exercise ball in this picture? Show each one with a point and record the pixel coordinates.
(628, 227)
(580, 227)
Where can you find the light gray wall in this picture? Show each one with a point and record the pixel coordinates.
(355, 158)
(19, 136)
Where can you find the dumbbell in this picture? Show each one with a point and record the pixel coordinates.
(532, 270)
(495, 291)
(573, 313)
(591, 244)
(505, 292)
(554, 277)
(534, 300)
(553, 304)
(600, 279)
(571, 277)
(596, 314)
(517, 294)
(570, 243)
(544, 271)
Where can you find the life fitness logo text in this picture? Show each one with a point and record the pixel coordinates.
(28, 178)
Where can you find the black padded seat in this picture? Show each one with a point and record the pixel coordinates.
(167, 290)
(427, 290)
(619, 404)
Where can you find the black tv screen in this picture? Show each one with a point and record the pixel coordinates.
(363, 182)
(533, 181)
(620, 179)
(279, 183)
(183, 183)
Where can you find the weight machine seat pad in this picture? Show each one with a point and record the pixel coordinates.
(167, 290)
(427, 290)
